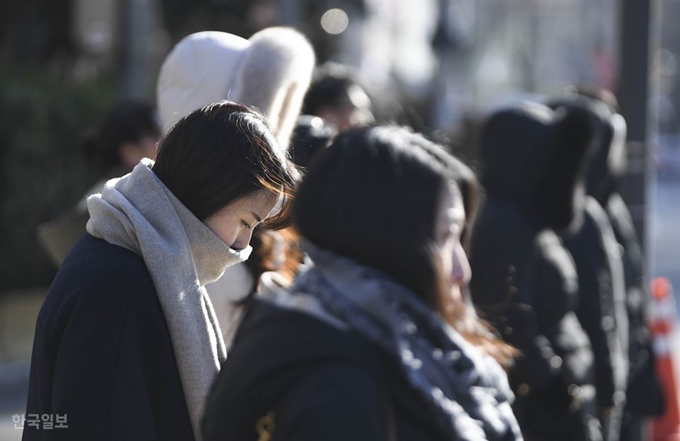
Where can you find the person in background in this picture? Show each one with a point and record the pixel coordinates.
(128, 133)
(524, 281)
(275, 251)
(312, 134)
(644, 395)
(126, 343)
(337, 96)
(602, 297)
(373, 341)
(270, 71)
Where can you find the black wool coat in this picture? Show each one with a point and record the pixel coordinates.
(293, 377)
(102, 353)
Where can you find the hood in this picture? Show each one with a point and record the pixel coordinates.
(607, 162)
(535, 157)
(271, 72)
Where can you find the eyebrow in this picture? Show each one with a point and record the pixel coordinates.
(257, 218)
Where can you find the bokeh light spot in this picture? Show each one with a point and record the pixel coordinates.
(334, 21)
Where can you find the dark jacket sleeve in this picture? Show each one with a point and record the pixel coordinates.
(644, 393)
(503, 268)
(624, 231)
(338, 401)
(632, 259)
(87, 366)
(598, 310)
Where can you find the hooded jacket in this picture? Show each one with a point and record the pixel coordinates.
(271, 71)
(601, 307)
(523, 280)
(644, 394)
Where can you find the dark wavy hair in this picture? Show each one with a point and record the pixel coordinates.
(373, 196)
(221, 153)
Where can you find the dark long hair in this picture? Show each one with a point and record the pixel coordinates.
(221, 153)
(373, 196)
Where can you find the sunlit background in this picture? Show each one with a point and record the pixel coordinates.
(437, 65)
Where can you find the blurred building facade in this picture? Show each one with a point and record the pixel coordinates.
(441, 62)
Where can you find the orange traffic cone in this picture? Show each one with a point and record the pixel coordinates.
(667, 426)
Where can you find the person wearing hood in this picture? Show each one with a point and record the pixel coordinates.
(128, 133)
(524, 281)
(607, 167)
(126, 343)
(602, 297)
(270, 71)
(374, 340)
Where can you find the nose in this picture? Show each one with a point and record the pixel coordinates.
(460, 271)
(243, 240)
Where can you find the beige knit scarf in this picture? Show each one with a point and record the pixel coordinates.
(139, 213)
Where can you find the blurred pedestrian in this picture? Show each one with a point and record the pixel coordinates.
(311, 135)
(128, 133)
(644, 396)
(126, 344)
(524, 281)
(337, 96)
(602, 297)
(373, 340)
(270, 71)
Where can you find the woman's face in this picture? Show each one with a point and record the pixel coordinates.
(449, 226)
(234, 223)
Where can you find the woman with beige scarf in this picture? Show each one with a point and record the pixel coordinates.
(127, 343)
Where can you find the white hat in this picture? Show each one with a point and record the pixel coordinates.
(271, 72)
